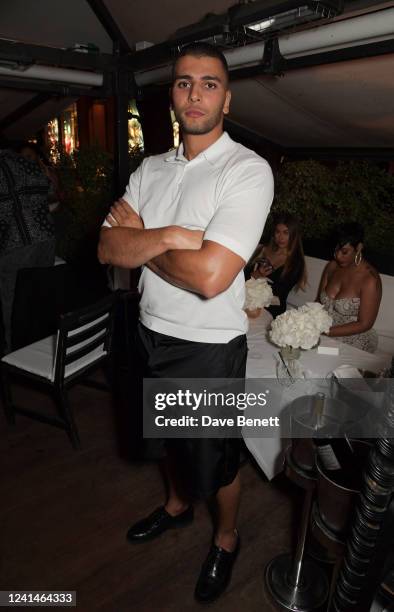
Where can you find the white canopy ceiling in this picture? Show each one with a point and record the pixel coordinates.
(343, 104)
(61, 24)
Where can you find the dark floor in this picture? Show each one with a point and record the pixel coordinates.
(64, 515)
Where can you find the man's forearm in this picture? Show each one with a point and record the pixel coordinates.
(130, 248)
(207, 271)
(184, 268)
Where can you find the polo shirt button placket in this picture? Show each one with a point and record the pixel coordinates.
(180, 176)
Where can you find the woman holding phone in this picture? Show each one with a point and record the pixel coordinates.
(281, 260)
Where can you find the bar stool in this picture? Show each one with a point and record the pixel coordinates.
(293, 581)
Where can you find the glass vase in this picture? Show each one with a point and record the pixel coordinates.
(290, 353)
(289, 368)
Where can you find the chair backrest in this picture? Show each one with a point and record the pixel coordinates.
(314, 268)
(41, 295)
(84, 339)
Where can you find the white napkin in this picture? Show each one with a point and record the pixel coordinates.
(357, 382)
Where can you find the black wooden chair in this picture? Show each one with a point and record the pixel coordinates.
(57, 362)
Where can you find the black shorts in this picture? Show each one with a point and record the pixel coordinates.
(207, 463)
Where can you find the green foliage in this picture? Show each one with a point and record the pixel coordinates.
(86, 183)
(322, 196)
(85, 179)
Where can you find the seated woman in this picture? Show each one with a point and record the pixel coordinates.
(281, 260)
(351, 289)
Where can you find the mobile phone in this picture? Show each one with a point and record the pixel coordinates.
(264, 261)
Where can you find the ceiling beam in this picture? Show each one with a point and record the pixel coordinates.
(24, 110)
(383, 47)
(317, 59)
(29, 54)
(110, 26)
(55, 89)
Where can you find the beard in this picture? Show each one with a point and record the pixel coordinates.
(201, 126)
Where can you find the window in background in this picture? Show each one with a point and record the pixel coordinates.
(136, 138)
(52, 139)
(70, 128)
(175, 128)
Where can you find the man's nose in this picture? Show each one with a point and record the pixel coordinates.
(195, 94)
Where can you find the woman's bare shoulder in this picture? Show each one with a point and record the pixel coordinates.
(331, 266)
(371, 275)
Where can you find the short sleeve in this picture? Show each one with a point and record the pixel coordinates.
(244, 204)
(132, 193)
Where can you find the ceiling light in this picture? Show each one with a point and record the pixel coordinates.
(262, 25)
(262, 15)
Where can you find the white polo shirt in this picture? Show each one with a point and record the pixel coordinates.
(226, 191)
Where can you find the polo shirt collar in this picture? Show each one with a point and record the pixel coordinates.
(212, 154)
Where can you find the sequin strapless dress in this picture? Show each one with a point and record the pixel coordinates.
(345, 310)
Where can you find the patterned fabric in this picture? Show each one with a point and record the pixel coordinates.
(24, 213)
(345, 310)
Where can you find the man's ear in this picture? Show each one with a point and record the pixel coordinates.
(226, 107)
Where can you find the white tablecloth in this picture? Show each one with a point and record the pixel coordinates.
(262, 359)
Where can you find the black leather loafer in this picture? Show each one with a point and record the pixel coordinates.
(157, 522)
(215, 573)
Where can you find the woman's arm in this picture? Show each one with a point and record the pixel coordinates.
(262, 269)
(281, 288)
(370, 297)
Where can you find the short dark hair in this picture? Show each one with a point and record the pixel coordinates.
(349, 233)
(202, 49)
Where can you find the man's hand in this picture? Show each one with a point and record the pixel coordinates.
(122, 215)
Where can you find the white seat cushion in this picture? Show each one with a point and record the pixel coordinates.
(38, 358)
(314, 269)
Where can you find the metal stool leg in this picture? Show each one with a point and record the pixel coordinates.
(296, 583)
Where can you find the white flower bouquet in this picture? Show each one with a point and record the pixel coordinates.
(258, 295)
(301, 327)
(319, 315)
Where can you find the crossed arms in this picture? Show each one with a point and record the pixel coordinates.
(177, 255)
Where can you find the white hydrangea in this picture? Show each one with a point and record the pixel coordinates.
(258, 293)
(300, 328)
(322, 319)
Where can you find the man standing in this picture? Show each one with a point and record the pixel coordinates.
(27, 236)
(193, 218)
